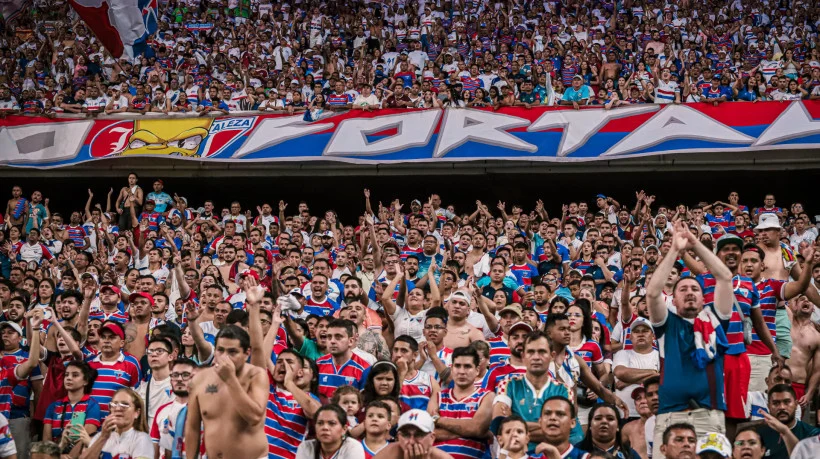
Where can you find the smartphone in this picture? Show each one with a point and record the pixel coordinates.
(77, 419)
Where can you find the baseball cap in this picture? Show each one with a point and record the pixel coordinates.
(514, 308)
(459, 294)
(91, 275)
(636, 392)
(13, 325)
(727, 239)
(639, 322)
(113, 328)
(145, 295)
(714, 442)
(327, 233)
(419, 419)
(578, 76)
(150, 201)
(296, 291)
(522, 325)
(600, 196)
(113, 288)
(246, 273)
(653, 247)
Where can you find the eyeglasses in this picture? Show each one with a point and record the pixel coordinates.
(435, 327)
(742, 443)
(119, 405)
(550, 280)
(183, 375)
(157, 351)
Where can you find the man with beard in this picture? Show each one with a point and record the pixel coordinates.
(370, 344)
(772, 291)
(737, 365)
(109, 304)
(413, 245)
(692, 375)
(478, 260)
(429, 254)
(651, 256)
(514, 365)
(136, 330)
(542, 296)
(782, 431)
(165, 420)
(805, 358)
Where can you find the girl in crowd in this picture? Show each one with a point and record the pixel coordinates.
(332, 440)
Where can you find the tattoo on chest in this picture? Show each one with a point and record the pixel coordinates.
(211, 389)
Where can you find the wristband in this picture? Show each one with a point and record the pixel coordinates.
(37, 329)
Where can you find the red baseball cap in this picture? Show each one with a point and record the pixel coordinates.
(113, 328)
(136, 295)
(113, 288)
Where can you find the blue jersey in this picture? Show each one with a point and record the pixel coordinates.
(681, 380)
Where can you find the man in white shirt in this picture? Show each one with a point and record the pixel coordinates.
(366, 100)
(632, 367)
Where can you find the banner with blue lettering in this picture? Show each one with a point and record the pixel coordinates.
(399, 136)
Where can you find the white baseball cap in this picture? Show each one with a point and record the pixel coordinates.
(418, 418)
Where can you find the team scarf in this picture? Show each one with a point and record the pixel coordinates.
(708, 338)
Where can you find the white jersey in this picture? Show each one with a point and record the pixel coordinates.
(164, 425)
(7, 447)
(131, 443)
(95, 105)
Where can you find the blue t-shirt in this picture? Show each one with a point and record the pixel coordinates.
(681, 380)
(161, 200)
(572, 95)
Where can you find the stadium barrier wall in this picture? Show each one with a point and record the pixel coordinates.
(395, 136)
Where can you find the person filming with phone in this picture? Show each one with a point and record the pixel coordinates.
(65, 418)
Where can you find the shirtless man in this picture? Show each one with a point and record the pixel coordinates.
(635, 431)
(459, 332)
(16, 208)
(136, 329)
(611, 69)
(805, 352)
(768, 235)
(230, 399)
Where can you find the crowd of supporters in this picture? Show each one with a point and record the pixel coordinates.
(237, 55)
(139, 324)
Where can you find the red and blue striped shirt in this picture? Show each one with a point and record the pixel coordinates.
(285, 423)
(466, 408)
(415, 392)
(771, 291)
(747, 298)
(112, 376)
(59, 414)
(353, 373)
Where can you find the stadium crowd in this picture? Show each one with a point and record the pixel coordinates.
(138, 325)
(238, 55)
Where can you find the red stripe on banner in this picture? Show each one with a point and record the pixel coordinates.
(97, 20)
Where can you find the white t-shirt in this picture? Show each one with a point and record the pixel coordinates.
(633, 360)
(160, 394)
(133, 444)
(351, 449)
(807, 448)
(7, 447)
(362, 101)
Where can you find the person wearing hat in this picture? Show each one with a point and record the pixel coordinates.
(499, 348)
(781, 262)
(11, 376)
(633, 366)
(514, 363)
(713, 446)
(578, 94)
(115, 369)
(737, 365)
(460, 332)
(416, 436)
(772, 292)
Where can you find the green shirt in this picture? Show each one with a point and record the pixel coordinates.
(309, 350)
(526, 401)
(775, 446)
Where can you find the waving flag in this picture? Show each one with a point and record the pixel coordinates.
(123, 26)
(10, 9)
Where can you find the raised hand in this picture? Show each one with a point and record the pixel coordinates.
(282, 206)
(502, 206)
(366, 193)
(191, 312)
